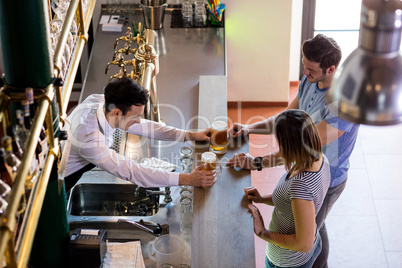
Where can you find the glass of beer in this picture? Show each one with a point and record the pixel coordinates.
(211, 162)
(219, 137)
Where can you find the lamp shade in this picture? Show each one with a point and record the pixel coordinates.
(367, 88)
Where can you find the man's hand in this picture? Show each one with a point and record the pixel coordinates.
(239, 130)
(243, 160)
(204, 135)
(198, 178)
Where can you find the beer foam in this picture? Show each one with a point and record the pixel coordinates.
(208, 157)
(219, 125)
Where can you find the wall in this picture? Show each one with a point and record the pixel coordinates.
(258, 49)
(295, 40)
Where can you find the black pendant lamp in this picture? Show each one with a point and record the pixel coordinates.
(367, 88)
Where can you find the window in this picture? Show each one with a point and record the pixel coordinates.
(340, 20)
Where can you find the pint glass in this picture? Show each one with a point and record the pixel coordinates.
(219, 137)
(211, 162)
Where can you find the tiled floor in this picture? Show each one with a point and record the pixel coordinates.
(365, 223)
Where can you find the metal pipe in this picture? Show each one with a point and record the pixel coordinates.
(155, 101)
(8, 223)
(80, 16)
(88, 15)
(150, 37)
(39, 196)
(10, 255)
(50, 130)
(62, 42)
(140, 226)
(146, 82)
(3, 103)
(68, 85)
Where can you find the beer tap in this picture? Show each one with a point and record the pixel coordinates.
(124, 50)
(148, 61)
(129, 62)
(118, 61)
(127, 38)
(122, 73)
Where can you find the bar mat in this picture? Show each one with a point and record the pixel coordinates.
(177, 21)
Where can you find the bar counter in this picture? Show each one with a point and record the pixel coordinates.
(192, 93)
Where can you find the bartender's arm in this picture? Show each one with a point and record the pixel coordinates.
(158, 131)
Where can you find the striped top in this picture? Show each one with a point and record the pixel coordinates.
(306, 185)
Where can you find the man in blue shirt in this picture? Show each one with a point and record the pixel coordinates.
(321, 57)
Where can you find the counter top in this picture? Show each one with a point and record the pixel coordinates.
(192, 85)
(184, 55)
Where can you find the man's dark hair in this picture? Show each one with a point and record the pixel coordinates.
(322, 49)
(123, 93)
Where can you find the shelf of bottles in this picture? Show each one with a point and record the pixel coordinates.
(29, 144)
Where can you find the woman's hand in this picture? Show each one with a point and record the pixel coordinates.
(243, 160)
(259, 227)
(252, 194)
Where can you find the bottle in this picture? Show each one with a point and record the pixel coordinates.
(28, 124)
(17, 150)
(20, 131)
(12, 161)
(30, 97)
(27, 114)
(5, 175)
(186, 216)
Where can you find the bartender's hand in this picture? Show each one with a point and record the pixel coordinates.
(204, 135)
(243, 160)
(251, 193)
(259, 228)
(198, 178)
(239, 130)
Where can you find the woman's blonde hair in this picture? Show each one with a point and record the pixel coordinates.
(298, 139)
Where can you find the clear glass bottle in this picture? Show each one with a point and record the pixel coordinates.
(28, 124)
(17, 150)
(20, 131)
(23, 133)
(186, 160)
(186, 216)
(12, 161)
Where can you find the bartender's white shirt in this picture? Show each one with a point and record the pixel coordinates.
(91, 137)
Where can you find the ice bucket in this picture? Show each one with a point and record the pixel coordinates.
(154, 13)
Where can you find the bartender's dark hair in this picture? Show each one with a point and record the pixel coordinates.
(122, 93)
(298, 139)
(322, 49)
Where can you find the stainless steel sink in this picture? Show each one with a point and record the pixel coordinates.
(112, 199)
(87, 210)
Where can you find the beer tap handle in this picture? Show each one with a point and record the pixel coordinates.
(122, 71)
(113, 76)
(118, 53)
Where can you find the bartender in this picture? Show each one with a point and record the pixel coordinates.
(91, 126)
